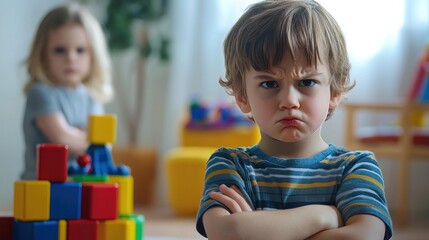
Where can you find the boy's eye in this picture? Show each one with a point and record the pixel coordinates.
(81, 50)
(307, 83)
(59, 50)
(269, 84)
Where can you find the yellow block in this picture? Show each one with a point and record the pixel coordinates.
(243, 136)
(418, 118)
(185, 168)
(62, 230)
(102, 129)
(126, 193)
(31, 200)
(123, 228)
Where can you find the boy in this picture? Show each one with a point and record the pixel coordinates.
(287, 67)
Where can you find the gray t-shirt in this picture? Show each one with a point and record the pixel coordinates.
(75, 104)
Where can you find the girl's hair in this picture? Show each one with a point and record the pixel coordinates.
(99, 81)
(270, 29)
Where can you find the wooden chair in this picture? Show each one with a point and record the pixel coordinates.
(403, 147)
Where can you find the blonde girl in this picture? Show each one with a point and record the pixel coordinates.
(69, 79)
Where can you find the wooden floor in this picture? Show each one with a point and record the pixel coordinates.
(162, 224)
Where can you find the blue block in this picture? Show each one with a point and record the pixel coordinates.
(102, 162)
(424, 92)
(43, 230)
(66, 200)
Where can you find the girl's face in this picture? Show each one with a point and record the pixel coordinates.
(290, 102)
(69, 55)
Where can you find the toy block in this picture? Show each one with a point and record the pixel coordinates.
(102, 129)
(83, 230)
(89, 178)
(62, 230)
(81, 167)
(31, 200)
(52, 162)
(101, 132)
(43, 230)
(6, 227)
(123, 228)
(99, 201)
(66, 200)
(125, 191)
(185, 169)
(139, 221)
(102, 162)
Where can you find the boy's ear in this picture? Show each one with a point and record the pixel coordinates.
(335, 100)
(243, 104)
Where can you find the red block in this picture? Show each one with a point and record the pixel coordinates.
(82, 230)
(52, 162)
(6, 228)
(99, 201)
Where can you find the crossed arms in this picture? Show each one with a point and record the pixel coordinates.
(314, 222)
(57, 130)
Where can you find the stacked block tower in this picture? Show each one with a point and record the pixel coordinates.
(92, 200)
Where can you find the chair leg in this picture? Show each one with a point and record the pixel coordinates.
(402, 193)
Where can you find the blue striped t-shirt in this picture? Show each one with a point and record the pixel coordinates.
(350, 180)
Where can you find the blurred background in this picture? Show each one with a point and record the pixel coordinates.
(166, 52)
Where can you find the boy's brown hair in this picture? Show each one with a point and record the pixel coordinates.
(270, 29)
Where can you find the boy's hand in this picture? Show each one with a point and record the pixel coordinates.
(232, 198)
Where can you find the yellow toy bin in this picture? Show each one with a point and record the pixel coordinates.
(185, 165)
(185, 168)
(240, 136)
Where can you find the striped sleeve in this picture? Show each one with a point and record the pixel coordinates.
(362, 191)
(222, 168)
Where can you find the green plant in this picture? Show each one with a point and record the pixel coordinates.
(121, 15)
(120, 32)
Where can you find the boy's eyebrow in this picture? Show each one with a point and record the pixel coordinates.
(264, 74)
(304, 73)
(310, 74)
(264, 71)
(307, 73)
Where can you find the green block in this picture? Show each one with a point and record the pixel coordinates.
(89, 178)
(139, 220)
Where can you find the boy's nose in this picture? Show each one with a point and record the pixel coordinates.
(289, 98)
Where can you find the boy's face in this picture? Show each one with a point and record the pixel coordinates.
(291, 101)
(68, 54)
